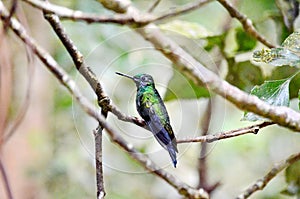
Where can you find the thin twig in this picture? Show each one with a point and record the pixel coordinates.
(261, 183)
(202, 163)
(143, 19)
(66, 13)
(200, 75)
(5, 180)
(247, 23)
(87, 73)
(88, 107)
(228, 134)
(181, 10)
(99, 166)
(154, 6)
(202, 160)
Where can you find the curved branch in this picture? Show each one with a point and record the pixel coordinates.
(87, 73)
(200, 75)
(143, 19)
(5, 180)
(67, 13)
(247, 23)
(88, 107)
(261, 183)
(228, 134)
(182, 10)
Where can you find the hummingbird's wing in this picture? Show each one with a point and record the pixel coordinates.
(153, 111)
(162, 135)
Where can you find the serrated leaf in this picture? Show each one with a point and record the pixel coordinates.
(275, 92)
(292, 42)
(287, 54)
(179, 87)
(189, 29)
(277, 57)
(283, 72)
(244, 75)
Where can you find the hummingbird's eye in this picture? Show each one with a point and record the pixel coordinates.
(144, 78)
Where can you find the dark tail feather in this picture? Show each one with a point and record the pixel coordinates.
(172, 153)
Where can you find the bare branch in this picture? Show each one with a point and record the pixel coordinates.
(182, 10)
(247, 23)
(87, 73)
(67, 13)
(88, 107)
(200, 75)
(143, 19)
(5, 180)
(99, 166)
(228, 134)
(261, 183)
(154, 6)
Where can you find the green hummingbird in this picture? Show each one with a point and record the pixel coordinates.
(151, 108)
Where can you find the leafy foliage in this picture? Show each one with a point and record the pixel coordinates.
(283, 72)
(274, 92)
(288, 54)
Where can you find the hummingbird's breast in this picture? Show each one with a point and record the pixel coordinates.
(149, 103)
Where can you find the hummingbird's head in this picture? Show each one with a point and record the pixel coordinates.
(143, 80)
(140, 79)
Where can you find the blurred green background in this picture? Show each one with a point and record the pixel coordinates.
(51, 155)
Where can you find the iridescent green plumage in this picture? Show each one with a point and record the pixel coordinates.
(152, 109)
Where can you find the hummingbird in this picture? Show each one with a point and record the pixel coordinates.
(152, 109)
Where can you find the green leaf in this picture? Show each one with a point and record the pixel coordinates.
(189, 29)
(277, 57)
(275, 92)
(292, 42)
(179, 87)
(283, 72)
(244, 75)
(245, 41)
(288, 54)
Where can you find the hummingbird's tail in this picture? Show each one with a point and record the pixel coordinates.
(172, 153)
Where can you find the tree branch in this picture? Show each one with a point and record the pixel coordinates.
(86, 72)
(103, 100)
(228, 134)
(200, 75)
(66, 13)
(5, 180)
(143, 19)
(261, 183)
(88, 107)
(182, 10)
(247, 23)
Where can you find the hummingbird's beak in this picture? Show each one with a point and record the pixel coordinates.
(122, 74)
